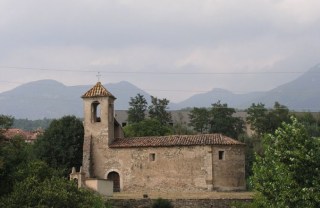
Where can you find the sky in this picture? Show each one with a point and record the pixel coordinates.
(170, 49)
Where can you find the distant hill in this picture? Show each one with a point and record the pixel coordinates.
(208, 98)
(301, 94)
(52, 99)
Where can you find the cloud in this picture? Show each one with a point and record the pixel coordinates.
(179, 36)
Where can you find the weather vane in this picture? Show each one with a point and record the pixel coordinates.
(99, 76)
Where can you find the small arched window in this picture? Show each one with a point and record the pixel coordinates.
(95, 112)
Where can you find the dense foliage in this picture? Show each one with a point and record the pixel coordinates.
(200, 119)
(137, 110)
(217, 119)
(13, 152)
(38, 185)
(223, 122)
(156, 125)
(147, 127)
(288, 173)
(263, 120)
(26, 181)
(162, 203)
(158, 110)
(61, 144)
(31, 125)
(311, 123)
(5, 122)
(250, 150)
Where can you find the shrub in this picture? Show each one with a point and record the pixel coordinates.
(162, 203)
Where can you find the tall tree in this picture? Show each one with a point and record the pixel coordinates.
(200, 119)
(61, 144)
(158, 110)
(263, 120)
(223, 122)
(137, 109)
(277, 115)
(13, 152)
(257, 118)
(5, 123)
(288, 173)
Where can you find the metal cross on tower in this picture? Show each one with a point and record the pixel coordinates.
(99, 76)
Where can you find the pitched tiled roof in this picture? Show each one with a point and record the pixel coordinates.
(174, 140)
(97, 91)
(28, 136)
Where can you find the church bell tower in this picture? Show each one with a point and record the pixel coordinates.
(98, 126)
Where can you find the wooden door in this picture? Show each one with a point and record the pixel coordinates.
(114, 176)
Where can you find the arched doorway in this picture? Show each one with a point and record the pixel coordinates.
(115, 177)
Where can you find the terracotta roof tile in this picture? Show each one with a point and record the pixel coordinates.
(26, 135)
(97, 91)
(174, 140)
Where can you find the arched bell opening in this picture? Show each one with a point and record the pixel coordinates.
(95, 112)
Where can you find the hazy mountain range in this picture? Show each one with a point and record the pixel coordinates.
(52, 99)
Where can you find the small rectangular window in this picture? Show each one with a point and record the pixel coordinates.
(152, 156)
(124, 124)
(221, 155)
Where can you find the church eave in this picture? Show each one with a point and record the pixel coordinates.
(174, 140)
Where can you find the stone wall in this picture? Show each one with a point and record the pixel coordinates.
(177, 203)
(229, 170)
(161, 169)
(179, 168)
(184, 168)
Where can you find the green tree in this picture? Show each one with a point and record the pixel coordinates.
(277, 115)
(158, 110)
(257, 118)
(288, 173)
(249, 156)
(223, 122)
(13, 152)
(6, 121)
(200, 119)
(61, 144)
(147, 127)
(39, 185)
(311, 123)
(263, 120)
(138, 106)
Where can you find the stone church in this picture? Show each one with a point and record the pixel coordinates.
(176, 163)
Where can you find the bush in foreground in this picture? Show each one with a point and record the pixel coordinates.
(162, 203)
